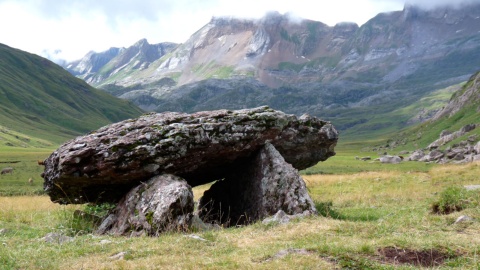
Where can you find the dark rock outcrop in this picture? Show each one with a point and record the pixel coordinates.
(260, 188)
(201, 147)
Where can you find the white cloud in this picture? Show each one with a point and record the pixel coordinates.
(72, 28)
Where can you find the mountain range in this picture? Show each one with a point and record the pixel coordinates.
(356, 76)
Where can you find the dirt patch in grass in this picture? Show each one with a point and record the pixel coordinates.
(445, 210)
(425, 258)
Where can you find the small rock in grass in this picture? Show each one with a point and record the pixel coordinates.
(118, 256)
(57, 238)
(472, 187)
(462, 219)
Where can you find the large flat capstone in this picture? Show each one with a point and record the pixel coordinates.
(202, 147)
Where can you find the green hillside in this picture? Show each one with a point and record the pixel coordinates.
(39, 99)
(462, 109)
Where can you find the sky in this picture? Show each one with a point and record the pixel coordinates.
(69, 29)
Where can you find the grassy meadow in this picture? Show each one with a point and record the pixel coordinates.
(24, 162)
(372, 216)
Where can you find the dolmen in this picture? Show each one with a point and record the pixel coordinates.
(148, 166)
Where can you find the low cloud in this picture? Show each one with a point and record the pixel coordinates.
(431, 4)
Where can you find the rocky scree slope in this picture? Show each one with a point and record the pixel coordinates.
(453, 134)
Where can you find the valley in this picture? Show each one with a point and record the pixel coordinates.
(391, 86)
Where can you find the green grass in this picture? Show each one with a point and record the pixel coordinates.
(362, 211)
(39, 99)
(347, 164)
(24, 161)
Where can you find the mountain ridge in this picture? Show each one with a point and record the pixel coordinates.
(328, 71)
(42, 100)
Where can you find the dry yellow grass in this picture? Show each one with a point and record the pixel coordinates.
(27, 203)
(378, 209)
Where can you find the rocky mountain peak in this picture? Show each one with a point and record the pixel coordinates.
(141, 43)
(391, 58)
(92, 62)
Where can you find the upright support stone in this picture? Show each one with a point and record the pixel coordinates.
(258, 188)
(164, 203)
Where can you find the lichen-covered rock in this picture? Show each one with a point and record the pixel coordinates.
(201, 147)
(433, 156)
(390, 159)
(416, 155)
(260, 188)
(164, 203)
(446, 137)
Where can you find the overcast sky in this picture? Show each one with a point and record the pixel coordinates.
(69, 29)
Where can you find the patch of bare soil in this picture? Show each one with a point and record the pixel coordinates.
(425, 258)
(436, 209)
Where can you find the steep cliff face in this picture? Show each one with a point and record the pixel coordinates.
(390, 61)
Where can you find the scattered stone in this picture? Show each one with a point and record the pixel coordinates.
(477, 147)
(118, 256)
(444, 133)
(57, 238)
(472, 187)
(416, 155)
(446, 137)
(280, 217)
(105, 241)
(365, 158)
(391, 159)
(197, 224)
(463, 219)
(460, 153)
(196, 237)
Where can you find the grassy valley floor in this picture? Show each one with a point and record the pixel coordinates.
(373, 216)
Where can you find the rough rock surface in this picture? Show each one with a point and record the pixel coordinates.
(462, 152)
(164, 203)
(201, 147)
(446, 136)
(391, 159)
(260, 188)
(416, 155)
